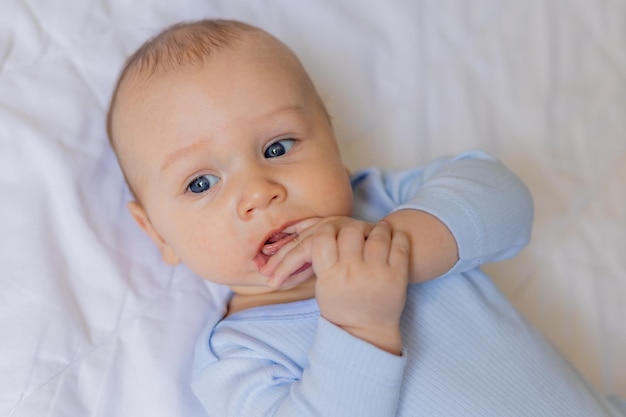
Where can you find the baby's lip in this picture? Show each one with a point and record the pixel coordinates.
(276, 241)
(271, 245)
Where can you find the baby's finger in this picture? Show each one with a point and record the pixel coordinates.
(278, 257)
(378, 243)
(301, 226)
(282, 265)
(350, 241)
(399, 250)
(301, 231)
(324, 251)
(304, 273)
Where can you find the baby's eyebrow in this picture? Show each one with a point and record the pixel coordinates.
(290, 108)
(189, 150)
(182, 153)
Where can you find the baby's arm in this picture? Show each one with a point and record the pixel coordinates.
(483, 205)
(458, 213)
(354, 366)
(433, 249)
(361, 270)
(246, 374)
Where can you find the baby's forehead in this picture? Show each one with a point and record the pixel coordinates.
(243, 51)
(145, 81)
(192, 48)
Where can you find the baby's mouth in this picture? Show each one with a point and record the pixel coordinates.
(275, 242)
(271, 246)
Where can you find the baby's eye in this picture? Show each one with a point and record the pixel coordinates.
(279, 148)
(202, 183)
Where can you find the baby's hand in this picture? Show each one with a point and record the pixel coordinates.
(293, 255)
(362, 281)
(362, 274)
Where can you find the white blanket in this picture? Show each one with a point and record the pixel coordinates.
(92, 323)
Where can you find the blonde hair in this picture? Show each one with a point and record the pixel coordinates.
(191, 44)
(180, 45)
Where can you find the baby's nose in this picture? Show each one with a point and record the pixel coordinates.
(259, 193)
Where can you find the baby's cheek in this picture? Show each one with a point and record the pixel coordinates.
(198, 253)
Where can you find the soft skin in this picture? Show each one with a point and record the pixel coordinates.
(216, 122)
(225, 156)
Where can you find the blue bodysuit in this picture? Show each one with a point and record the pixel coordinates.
(466, 351)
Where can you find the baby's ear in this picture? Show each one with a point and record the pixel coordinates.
(141, 217)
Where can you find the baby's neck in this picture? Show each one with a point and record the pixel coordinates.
(241, 302)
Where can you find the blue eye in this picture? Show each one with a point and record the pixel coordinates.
(202, 183)
(279, 148)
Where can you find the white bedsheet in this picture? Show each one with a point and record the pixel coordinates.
(93, 324)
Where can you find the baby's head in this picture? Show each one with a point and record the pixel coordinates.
(224, 142)
(180, 47)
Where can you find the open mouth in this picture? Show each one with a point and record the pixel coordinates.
(275, 242)
(272, 245)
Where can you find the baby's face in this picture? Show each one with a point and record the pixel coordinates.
(225, 156)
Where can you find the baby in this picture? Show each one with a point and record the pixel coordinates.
(230, 156)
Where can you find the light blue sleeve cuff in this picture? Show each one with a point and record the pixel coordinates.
(367, 379)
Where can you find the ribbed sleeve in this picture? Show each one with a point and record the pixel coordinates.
(317, 371)
(487, 207)
(467, 352)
